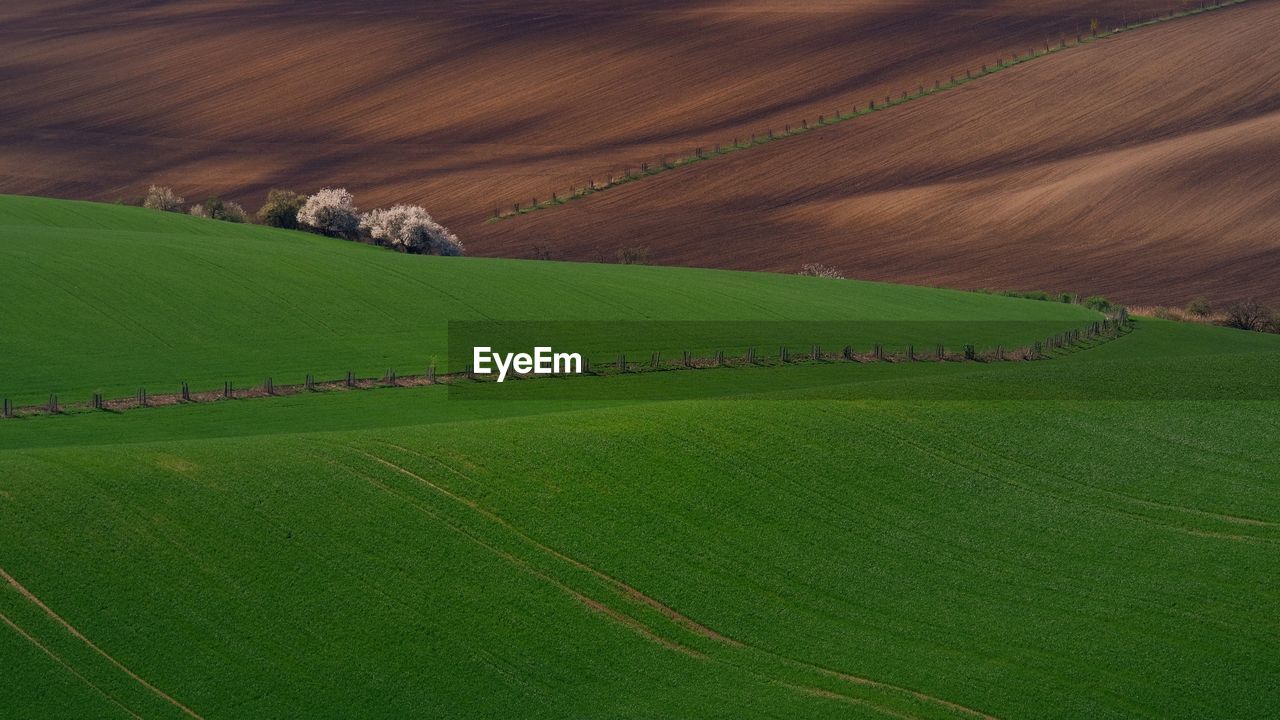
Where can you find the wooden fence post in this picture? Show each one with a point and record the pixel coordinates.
(622, 362)
(686, 359)
(226, 388)
(8, 408)
(847, 352)
(816, 353)
(186, 392)
(878, 351)
(783, 354)
(970, 353)
(656, 359)
(942, 352)
(911, 352)
(53, 403)
(351, 379)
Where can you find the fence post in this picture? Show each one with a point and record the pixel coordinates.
(226, 388)
(817, 353)
(969, 352)
(1000, 352)
(53, 403)
(656, 359)
(186, 392)
(142, 397)
(622, 362)
(847, 352)
(686, 359)
(8, 408)
(783, 354)
(911, 353)
(942, 352)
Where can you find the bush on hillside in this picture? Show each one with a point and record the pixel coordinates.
(820, 270)
(410, 228)
(162, 198)
(331, 211)
(1099, 303)
(1249, 315)
(281, 209)
(1200, 307)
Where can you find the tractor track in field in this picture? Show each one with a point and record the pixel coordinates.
(628, 591)
(66, 666)
(33, 599)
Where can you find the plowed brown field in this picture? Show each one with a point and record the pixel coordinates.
(1143, 166)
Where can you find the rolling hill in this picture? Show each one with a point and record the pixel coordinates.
(821, 550)
(464, 107)
(112, 299)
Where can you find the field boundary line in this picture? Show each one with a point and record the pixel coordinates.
(31, 597)
(647, 170)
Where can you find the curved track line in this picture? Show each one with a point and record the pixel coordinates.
(591, 603)
(671, 613)
(829, 695)
(66, 665)
(80, 636)
(628, 590)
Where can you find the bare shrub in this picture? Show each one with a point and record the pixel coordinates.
(332, 211)
(1248, 315)
(198, 210)
(820, 270)
(635, 255)
(1200, 307)
(411, 229)
(281, 209)
(162, 198)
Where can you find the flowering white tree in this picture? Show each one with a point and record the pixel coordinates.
(331, 211)
(162, 198)
(410, 228)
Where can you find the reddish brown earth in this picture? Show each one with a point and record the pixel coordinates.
(1143, 167)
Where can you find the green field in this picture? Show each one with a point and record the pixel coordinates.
(1096, 535)
(112, 298)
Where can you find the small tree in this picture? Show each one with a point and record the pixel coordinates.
(1200, 307)
(217, 209)
(411, 229)
(281, 209)
(331, 211)
(820, 270)
(1248, 315)
(162, 198)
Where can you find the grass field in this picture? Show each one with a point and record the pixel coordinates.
(1094, 535)
(790, 549)
(111, 298)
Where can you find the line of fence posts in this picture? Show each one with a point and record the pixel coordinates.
(1108, 326)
